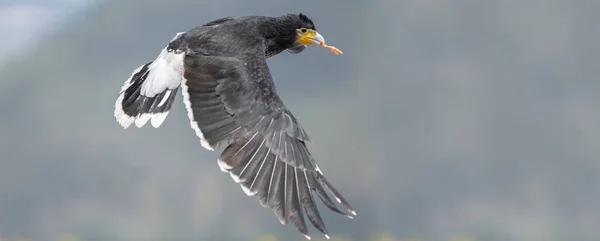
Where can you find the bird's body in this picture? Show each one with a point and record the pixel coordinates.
(231, 101)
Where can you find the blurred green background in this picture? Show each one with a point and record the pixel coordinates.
(444, 120)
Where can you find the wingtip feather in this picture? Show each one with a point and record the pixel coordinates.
(223, 165)
(158, 119)
(141, 120)
(248, 191)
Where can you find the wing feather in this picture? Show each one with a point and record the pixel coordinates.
(232, 101)
(150, 91)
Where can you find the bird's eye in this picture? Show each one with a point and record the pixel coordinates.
(303, 30)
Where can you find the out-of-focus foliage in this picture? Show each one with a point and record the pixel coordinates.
(383, 236)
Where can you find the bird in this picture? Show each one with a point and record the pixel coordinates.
(231, 101)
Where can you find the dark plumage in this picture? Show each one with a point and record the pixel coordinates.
(231, 101)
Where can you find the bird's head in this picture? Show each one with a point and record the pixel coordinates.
(293, 32)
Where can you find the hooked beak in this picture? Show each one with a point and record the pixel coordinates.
(313, 37)
(308, 37)
(318, 39)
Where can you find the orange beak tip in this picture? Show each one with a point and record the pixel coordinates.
(331, 48)
(336, 50)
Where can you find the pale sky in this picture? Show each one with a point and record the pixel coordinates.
(23, 21)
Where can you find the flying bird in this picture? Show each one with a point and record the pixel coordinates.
(231, 101)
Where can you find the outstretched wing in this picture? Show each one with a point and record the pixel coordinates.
(149, 92)
(232, 101)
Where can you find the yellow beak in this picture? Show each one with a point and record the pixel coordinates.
(313, 37)
(310, 37)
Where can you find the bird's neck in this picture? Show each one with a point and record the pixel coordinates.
(277, 36)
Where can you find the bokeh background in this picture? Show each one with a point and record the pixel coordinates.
(443, 120)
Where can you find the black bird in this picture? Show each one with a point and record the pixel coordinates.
(231, 101)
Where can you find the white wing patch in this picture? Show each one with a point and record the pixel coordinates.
(149, 92)
(164, 73)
